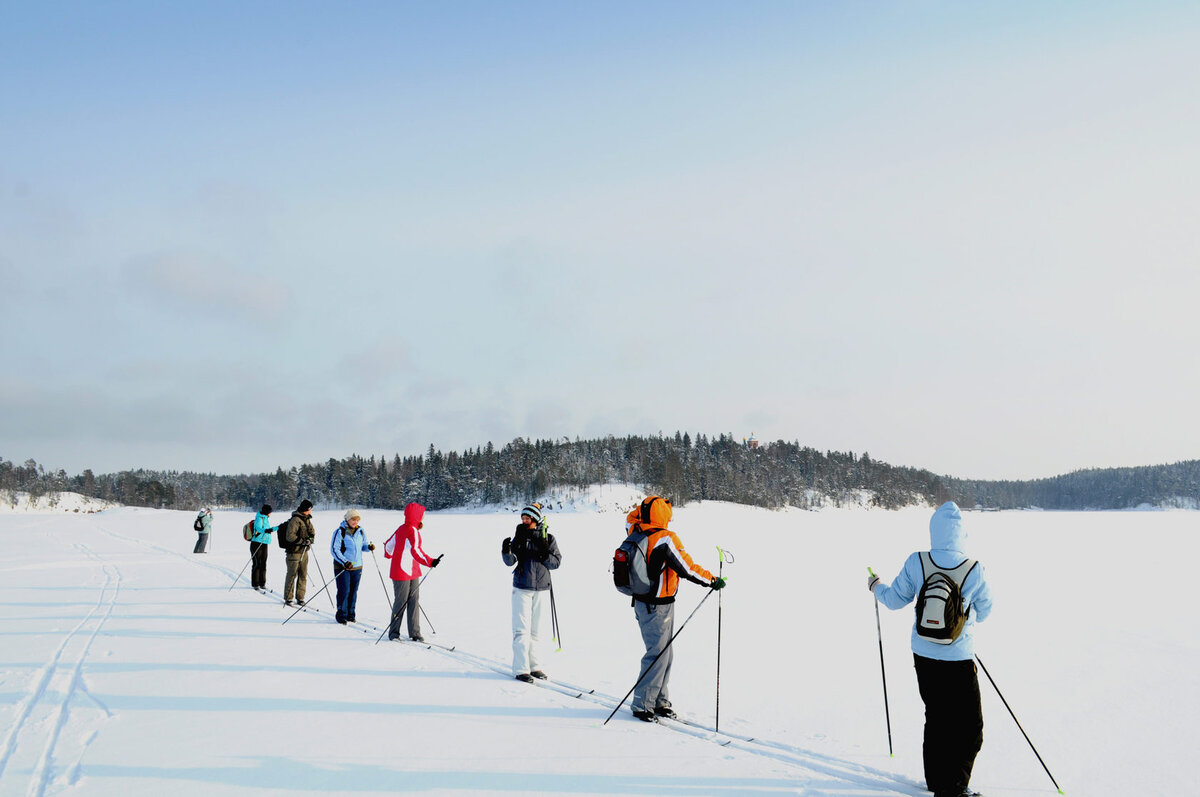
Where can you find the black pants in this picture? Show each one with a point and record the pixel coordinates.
(201, 543)
(953, 722)
(258, 571)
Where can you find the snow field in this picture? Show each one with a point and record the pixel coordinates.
(129, 667)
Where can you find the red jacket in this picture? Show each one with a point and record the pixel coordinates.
(404, 546)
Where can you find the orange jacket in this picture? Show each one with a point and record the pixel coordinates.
(666, 558)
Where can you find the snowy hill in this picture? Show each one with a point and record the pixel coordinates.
(132, 668)
(15, 501)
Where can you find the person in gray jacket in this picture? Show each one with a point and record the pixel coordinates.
(534, 551)
(202, 525)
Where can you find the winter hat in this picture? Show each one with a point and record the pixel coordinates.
(266, 509)
(534, 511)
(305, 505)
(353, 513)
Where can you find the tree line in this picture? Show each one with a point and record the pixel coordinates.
(681, 467)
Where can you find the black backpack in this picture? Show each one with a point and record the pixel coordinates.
(283, 534)
(940, 612)
(198, 525)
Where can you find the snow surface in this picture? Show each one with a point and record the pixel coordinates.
(129, 667)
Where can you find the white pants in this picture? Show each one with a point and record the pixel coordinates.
(528, 606)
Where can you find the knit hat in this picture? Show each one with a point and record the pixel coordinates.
(353, 513)
(305, 505)
(534, 511)
(266, 509)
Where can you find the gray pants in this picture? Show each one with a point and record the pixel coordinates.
(406, 592)
(297, 575)
(657, 623)
(201, 543)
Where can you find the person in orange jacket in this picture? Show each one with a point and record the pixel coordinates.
(666, 563)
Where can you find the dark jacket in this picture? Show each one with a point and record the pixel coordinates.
(535, 554)
(298, 533)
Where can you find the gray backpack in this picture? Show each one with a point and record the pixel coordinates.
(631, 576)
(940, 612)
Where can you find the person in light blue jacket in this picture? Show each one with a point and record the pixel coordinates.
(260, 544)
(347, 546)
(946, 675)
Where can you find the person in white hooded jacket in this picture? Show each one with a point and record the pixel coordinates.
(946, 675)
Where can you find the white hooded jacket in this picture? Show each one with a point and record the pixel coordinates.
(948, 544)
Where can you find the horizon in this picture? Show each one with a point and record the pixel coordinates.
(763, 444)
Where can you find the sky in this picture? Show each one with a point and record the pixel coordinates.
(961, 237)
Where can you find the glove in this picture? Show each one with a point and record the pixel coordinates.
(371, 546)
(437, 561)
(338, 567)
(718, 583)
(506, 546)
(872, 580)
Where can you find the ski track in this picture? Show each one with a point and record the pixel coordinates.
(22, 725)
(857, 775)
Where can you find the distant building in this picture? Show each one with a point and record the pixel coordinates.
(751, 442)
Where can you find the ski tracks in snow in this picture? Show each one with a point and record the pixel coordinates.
(43, 713)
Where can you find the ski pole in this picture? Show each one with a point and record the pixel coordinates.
(554, 618)
(883, 673)
(666, 647)
(318, 561)
(301, 606)
(243, 570)
(403, 606)
(386, 596)
(1014, 716)
(721, 557)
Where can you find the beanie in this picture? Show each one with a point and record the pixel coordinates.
(353, 513)
(266, 509)
(305, 505)
(534, 511)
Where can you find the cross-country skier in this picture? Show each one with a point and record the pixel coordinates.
(298, 536)
(260, 543)
(946, 675)
(534, 551)
(347, 545)
(666, 563)
(408, 556)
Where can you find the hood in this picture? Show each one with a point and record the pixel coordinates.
(946, 532)
(658, 510)
(413, 514)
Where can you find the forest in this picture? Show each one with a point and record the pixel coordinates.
(682, 467)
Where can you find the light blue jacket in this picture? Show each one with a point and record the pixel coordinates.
(262, 529)
(355, 544)
(948, 544)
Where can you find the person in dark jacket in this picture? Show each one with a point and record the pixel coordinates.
(202, 524)
(534, 551)
(298, 536)
(260, 544)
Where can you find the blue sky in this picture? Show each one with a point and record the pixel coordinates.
(957, 236)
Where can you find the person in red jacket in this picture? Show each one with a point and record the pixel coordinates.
(407, 555)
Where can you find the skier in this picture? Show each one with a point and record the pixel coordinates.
(946, 674)
(202, 525)
(298, 535)
(407, 555)
(260, 544)
(535, 553)
(666, 562)
(347, 545)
